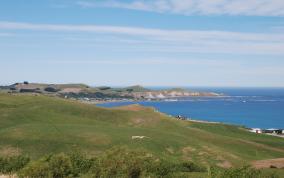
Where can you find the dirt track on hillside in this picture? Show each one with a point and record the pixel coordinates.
(277, 163)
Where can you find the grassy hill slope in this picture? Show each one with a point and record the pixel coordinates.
(38, 125)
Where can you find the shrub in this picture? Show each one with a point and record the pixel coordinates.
(60, 166)
(51, 89)
(104, 88)
(190, 167)
(80, 164)
(122, 162)
(117, 162)
(36, 169)
(130, 90)
(163, 168)
(242, 172)
(12, 164)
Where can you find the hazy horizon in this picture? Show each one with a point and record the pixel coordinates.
(151, 43)
(153, 86)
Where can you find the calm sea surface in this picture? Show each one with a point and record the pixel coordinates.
(251, 107)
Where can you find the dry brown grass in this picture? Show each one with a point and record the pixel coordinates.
(8, 176)
(95, 138)
(9, 151)
(133, 107)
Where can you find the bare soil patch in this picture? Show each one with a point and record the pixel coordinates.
(225, 164)
(9, 151)
(71, 90)
(8, 176)
(269, 163)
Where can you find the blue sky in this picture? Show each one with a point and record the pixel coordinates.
(151, 43)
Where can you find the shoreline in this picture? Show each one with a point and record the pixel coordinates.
(249, 129)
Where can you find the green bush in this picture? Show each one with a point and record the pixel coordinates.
(12, 164)
(163, 168)
(190, 167)
(242, 172)
(80, 163)
(117, 162)
(122, 162)
(36, 169)
(60, 166)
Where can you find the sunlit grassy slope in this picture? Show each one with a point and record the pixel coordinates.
(38, 125)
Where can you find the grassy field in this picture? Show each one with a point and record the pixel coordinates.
(39, 125)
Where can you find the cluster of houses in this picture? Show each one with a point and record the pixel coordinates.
(180, 117)
(268, 131)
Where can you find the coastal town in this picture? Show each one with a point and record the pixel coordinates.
(270, 131)
(279, 132)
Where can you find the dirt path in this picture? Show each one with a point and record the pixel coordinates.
(202, 121)
(276, 163)
(8, 176)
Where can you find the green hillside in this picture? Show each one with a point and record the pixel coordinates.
(39, 125)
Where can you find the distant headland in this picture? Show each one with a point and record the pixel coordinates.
(103, 93)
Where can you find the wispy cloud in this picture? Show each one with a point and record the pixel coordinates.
(149, 61)
(6, 34)
(166, 34)
(200, 7)
(279, 29)
(171, 40)
(136, 5)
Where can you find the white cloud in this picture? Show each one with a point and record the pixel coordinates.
(200, 7)
(170, 40)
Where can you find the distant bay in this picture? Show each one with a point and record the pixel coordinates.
(250, 107)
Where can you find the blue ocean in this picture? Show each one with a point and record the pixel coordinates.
(250, 107)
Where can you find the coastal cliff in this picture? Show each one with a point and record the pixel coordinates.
(169, 94)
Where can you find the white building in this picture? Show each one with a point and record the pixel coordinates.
(256, 130)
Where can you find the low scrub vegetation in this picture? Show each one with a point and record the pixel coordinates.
(242, 172)
(116, 162)
(12, 164)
